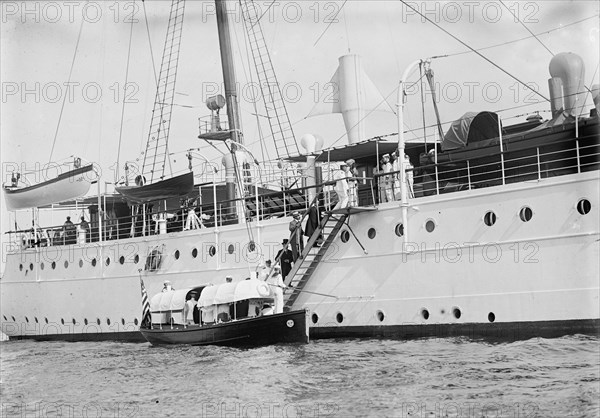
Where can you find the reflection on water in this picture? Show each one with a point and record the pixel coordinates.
(429, 378)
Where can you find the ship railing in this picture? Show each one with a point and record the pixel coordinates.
(532, 163)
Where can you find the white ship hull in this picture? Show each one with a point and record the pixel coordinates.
(511, 280)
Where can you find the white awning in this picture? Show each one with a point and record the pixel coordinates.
(169, 301)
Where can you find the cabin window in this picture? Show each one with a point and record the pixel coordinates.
(584, 206)
(26, 319)
(74, 322)
(85, 321)
(526, 214)
(13, 318)
(425, 314)
(399, 230)
(251, 246)
(20, 267)
(430, 225)
(36, 320)
(136, 259)
(195, 252)
(5, 317)
(371, 233)
(456, 312)
(135, 321)
(42, 266)
(489, 218)
(66, 264)
(176, 255)
(107, 261)
(80, 263)
(339, 317)
(98, 321)
(46, 320)
(231, 249)
(123, 321)
(380, 316)
(62, 321)
(315, 318)
(93, 262)
(107, 321)
(491, 317)
(53, 265)
(122, 260)
(345, 236)
(31, 266)
(212, 251)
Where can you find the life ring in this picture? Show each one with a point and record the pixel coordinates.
(263, 289)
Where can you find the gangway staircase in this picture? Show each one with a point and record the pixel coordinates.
(311, 256)
(279, 121)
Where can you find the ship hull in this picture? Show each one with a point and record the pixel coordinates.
(514, 279)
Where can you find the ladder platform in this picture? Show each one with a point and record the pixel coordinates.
(350, 210)
(216, 135)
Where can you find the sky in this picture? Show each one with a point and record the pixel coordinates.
(305, 38)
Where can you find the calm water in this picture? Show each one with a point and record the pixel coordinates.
(425, 378)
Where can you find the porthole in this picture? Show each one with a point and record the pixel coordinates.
(122, 260)
(107, 262)
(425, 314)
(380, 316)
(80, 263)
(231, 249)
(371, 233)
(98, 321)
(42, 266)
(36, 320)
(212, 251)
(136, 259)
(135, 321)
(46, 320)
(31, 266)
(107, 321)
(251, 246)
(176, 255)
(5, 317)
(93, 262)
(430, 225)
(489, 218)
(74, 322)
(584, 206)
(62, 321)
(20, 267)
(13, 318)
(399, 230)
(85, 321)
(53, 265)
(66, 264)
(456, 312)
(315, 318)
(345, 236)
(339, 318)
(26, 319)
(195, 252)
(123, 321)
(491, 317)
(526, 214)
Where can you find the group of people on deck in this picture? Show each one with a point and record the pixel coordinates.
(389, 183)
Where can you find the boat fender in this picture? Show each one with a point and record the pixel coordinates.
(263, 289)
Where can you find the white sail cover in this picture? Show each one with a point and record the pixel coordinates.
(233, 292)
(66, 186)
(354, 94)
(169, 301)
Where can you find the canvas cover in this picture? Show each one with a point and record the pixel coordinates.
(471, 127)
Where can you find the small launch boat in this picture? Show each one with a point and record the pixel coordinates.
(232, 314)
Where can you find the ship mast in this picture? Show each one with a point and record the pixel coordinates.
(227, 64)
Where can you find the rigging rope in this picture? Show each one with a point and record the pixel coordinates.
(330, 22)
(65, 97)
(474, 50)
(124, 101)
(528, 30)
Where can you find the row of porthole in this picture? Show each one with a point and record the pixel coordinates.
(584, 207)
(212, 251)
(62, 321)
(456, 312)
